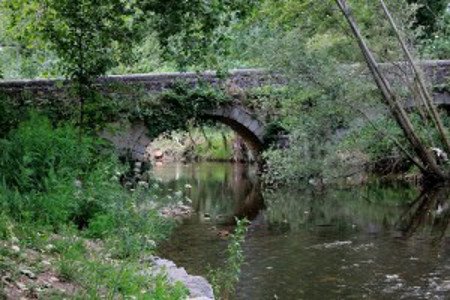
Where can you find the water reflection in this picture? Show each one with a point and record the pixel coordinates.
(219, 191)
(427, 215)
(370, 209)
(368, 242)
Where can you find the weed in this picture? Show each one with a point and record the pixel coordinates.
(224, 279)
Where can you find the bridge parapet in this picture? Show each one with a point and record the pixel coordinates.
(152, 82)
(437, 70)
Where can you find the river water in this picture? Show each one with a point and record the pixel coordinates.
(368, 242)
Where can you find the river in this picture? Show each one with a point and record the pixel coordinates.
(371, 242)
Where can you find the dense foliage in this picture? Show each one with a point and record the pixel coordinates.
(438, 45)
(429, 13)
(306, 41)
(86, 36)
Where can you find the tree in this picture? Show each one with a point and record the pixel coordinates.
(429, 12)
(426, 161)
(194, 32)
(88, 36)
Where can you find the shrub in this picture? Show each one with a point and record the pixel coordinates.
(51, 176)
(35, 155)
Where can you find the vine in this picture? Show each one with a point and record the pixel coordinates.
(180, 107)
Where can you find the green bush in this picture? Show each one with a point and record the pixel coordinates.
(5, 226)
(224, 279)
(129, 228)
(48, 175)
(35, 156)
(438, 45)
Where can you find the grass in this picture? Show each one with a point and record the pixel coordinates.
(64, 215)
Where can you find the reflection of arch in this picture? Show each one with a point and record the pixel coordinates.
(132, 138)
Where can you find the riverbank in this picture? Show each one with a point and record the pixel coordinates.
(69, 265)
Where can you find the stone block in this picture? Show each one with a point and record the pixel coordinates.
(236, 114)
(254, 126)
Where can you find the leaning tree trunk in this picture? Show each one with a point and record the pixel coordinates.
(422, 88)
(428, 165)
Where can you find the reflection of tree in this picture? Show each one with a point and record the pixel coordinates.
(246, 194)
(429, 212)
(221, 191)
(251, 205)
(367, 208)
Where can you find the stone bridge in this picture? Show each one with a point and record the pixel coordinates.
(238, 117)
(134, 138)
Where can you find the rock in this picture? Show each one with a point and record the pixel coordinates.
(199, 288)
(28, 273)
(49, 247)
(15, 248)
(46, 263)
(177, 210)
(223, 234)
(158, 154)
(21, 286)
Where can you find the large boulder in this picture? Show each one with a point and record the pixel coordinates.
(199, 287)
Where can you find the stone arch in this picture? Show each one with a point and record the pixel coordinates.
(132, 139)
(242, 122)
